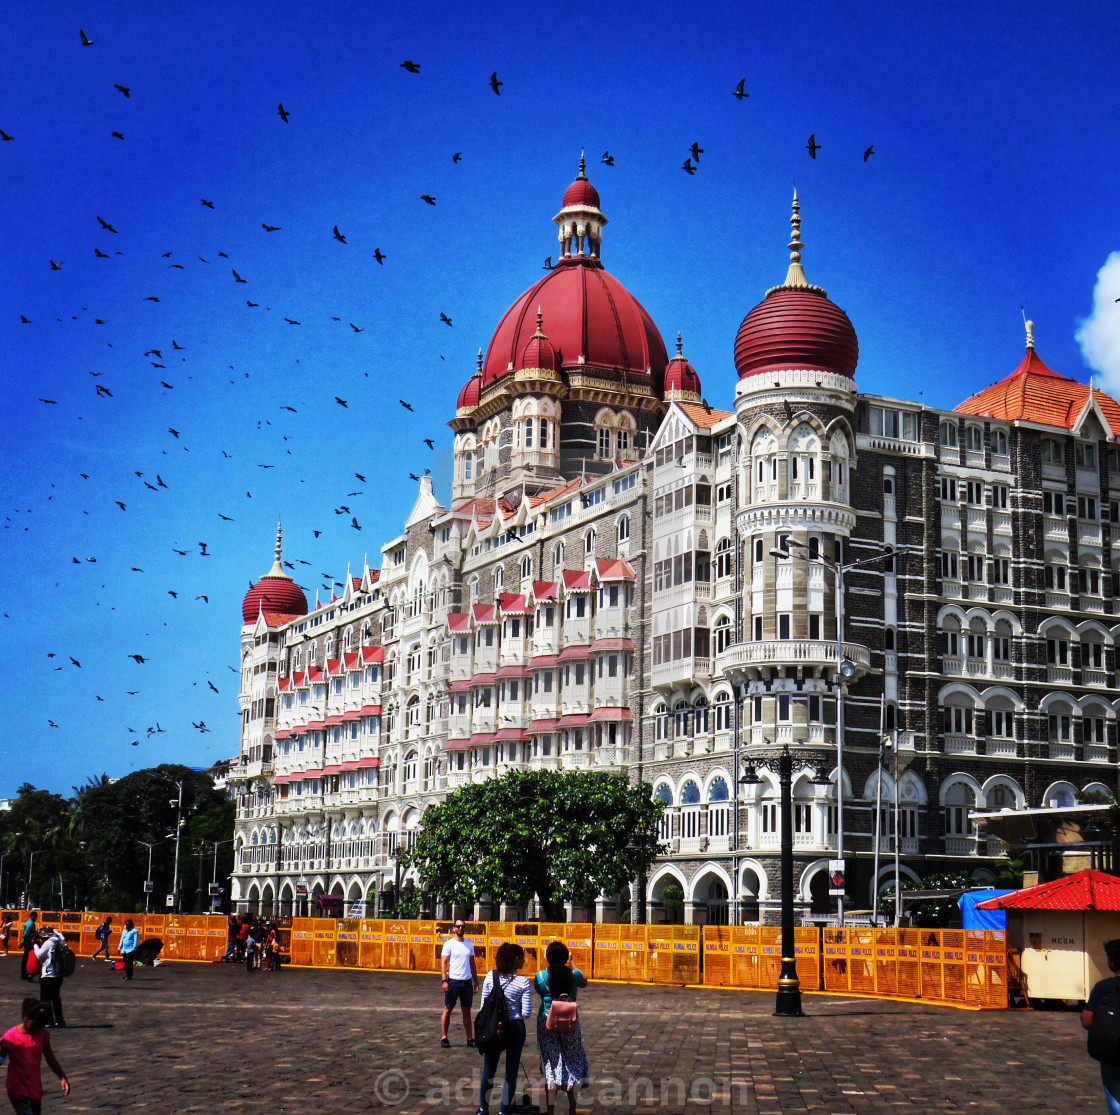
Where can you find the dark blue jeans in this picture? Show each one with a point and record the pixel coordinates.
(513, 1063)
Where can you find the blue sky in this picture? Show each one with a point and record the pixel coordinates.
(993, 186)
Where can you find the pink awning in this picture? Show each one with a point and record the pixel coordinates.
(481, 738)
(543, 661)
(373, 654)
(545, 724)
(457, 745)
(576, 720)
(371, 710)
(512, 733)
(612, 714)
(513, 672)
(569, 653)
(370, 761)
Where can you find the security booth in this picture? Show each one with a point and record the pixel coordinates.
(1057, 931)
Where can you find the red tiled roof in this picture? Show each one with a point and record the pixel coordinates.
(573, 720)
(545, 590)
(334, 719)
(703, 416)
(456, 745)
(350, 764)
(353, 714)
(512, 733)
(515, 604)
(283, 684)
(1035, 393)
(351, 659)
(369, 762)
(542, 661)
(1085, 890)
(333, 665)
(316, 725)
(282, 734)
(556, 493)
(297, 678)
(612, 714)
(545, 724)
(485, 613)
(281, 779)
(332, 768)
(278, 619)
(459, 686)
(480, 738)
(575, 579)
(371, 710)
(483, 679)
(483, 506)
(513, 672)
(373, 654)
(458, 621)
(569, 653)
(617, 570)
(612, 644)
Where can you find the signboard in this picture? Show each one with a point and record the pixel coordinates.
(835, 877)
(169, 900)
(215, 890)
(149, 886)
(301, 889)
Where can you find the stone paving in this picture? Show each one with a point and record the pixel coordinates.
(213, 1038)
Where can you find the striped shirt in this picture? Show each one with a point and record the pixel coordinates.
(518, 999)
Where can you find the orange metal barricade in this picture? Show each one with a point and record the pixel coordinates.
(371, 942)
(347, 942)
(674, 953)
(607, 964)
(301, 950)
(324, 942)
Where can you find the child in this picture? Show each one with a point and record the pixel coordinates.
(25, 1046)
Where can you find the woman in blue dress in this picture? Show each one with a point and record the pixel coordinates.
(563, 1060)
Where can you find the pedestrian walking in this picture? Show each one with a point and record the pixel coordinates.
(6, 932)
(250, 949)
(25, 1046)
(102, 934)
(27, 942)
(51, 975)
(563, 1059)
(130, 941)
(504, 980)
(460, 980)
(1101, 1017)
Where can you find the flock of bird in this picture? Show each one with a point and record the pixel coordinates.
(242, 274)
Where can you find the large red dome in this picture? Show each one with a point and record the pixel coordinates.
(587, 313)
(581, 192)
(796, 327)
(276, 595)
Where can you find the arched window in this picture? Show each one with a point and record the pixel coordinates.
(682, 720)
(660, 722)
(410, 767)
(717, 791)
(690, 793)
(725, 555)
(974, 439)
(665, 826)
(959, 800)
(723, 711)
(558, 556)
(700, 715)
(624, 528)
(499, 578)
(948, 435)
(589, 542)
(526, 567)
(999, 442)
(723, 633)
(474, 588)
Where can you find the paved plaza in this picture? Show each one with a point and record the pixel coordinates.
(214, 1038)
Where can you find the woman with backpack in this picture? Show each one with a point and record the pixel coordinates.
(504, 980)
(563, 1060)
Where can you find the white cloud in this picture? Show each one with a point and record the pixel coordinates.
(1099, 333)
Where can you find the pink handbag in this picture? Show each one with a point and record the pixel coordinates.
(563, 1016)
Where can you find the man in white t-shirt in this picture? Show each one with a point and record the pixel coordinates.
(460, 980)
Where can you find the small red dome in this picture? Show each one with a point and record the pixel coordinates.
(470, 393)
(590, 314)
(581, 192)
(680, 376)
(279, 595)
(539, 353)
(796, 328)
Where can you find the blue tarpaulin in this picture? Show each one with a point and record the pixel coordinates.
(982, 919)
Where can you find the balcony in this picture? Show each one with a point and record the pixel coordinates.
(1057, 600)
(1062, 750)
(1059, 675)
(960, 845)
(748, 657)
(959, 745)
(998, 745)
(1094, 677)
(1095, 752)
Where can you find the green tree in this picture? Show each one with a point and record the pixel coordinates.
(558, 837)
(37, 844)
(934, 913)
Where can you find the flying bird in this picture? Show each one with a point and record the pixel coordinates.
(687, 167)
(444, 318)
(5, 137)
(608, 158)
(812, 146)
(354, 522)
(119, 504)
(338, 235)
(102, 390)
(27, 320)
(151, 298)
(291, 321)
(127, 92)
(270, 228)
(75, 661)
(116, 135)
(57, 266)
(412, 67)
(739, 94)
(202, 596)
(428, 198)
(208, 204)
(52, 723)
(457, 157)
(173, 433)
(54, 401)
(379, 255)
(341, 402)
(413, 476)
(429, 443)
(138, 658)
(282, 112)
(201, 726)
(237, 278)
(226, 517)
(175, 344)
(355, 328)
(212, 685)
(292, 409)
(85, 41)
(868, 153)
(105, 224)
(407, 406)
(697, 151)
(495, 84)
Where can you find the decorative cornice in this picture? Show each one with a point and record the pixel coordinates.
(835, 518)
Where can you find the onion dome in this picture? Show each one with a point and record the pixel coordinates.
(593, 320)
(538, 354)
(796, 326)
(681, 380)
(275, 594)
(472, 390)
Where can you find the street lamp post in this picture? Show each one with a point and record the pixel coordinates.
(30, 870)
(788, 1004)
(214, 877)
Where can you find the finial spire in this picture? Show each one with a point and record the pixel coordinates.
(582, 167)
(795, 276)
(540, 318)
(479, 372)
(679, 353)
(277, 569)
(1030, 334)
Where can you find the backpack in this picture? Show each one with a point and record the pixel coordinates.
(491, 1024)
(563, 1016)
(67, 961)
(1104, 1033)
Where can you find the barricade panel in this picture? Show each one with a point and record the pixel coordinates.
(633, 954)
(607, 961)
(348, 943)
(525, 934)
(323, 942)
(301, 941)
(421, 938)
(371, 942)
(175, 946)
(396, 953)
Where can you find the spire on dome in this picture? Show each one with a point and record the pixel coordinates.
(1030, 334)
(679, 352)
(582, 168)
(277, 569)
(580, 219)
(540, 318)
(479, 371)
(795, 276)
